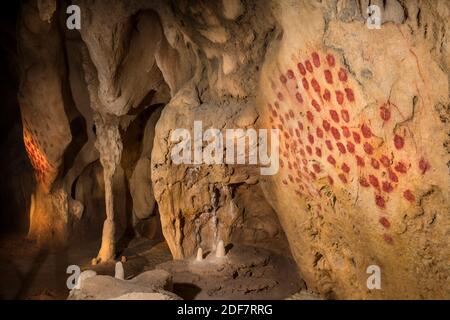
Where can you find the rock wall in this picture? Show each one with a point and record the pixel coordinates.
(364, 160)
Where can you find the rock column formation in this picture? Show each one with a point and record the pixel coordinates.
(109, 145)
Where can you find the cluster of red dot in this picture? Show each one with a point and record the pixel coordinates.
(40, 164)
(313, 110)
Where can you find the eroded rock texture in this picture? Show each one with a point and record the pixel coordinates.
(364, 176)
(363, 117)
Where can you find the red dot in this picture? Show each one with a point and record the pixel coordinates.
(326, 125)
(345, 132)
(301, 68)
(300, 125)
(374, 181)
(318, 152)
(328, 76)
(309, 150)
(399, 142)
(392, 176)
(385, 222)
(424, 166)
(341, 148)
(290, 74)
(356, 137)
(316, 105)
(330, 60)
(329, 145)
(316, 167)
(316, 59)
(315, 85)
(283, 79)
(339, 97)
(345, 168)
(409, 196)
(330, 180)
(345, 115)
(375, 164)
(334, 115)
(387, 187)
(400, 167)
(367, 133)
(331, 160)
(380, 202)
(368, 148)
(309, 116)
(280, 96)
(335, 133)
(388, 239)
(309, 66)
(350, 147)
(342, 177)
(327, 95)
(310, 138)
(385, 161)
(385, 113)
(342, 75)
(305, 84)
(319, 132)
(291, 113)
(350, 95)
(363, 182)
(299, 97)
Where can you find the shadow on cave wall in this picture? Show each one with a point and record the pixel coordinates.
(17, 180)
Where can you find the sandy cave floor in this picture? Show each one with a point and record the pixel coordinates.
(27, 272)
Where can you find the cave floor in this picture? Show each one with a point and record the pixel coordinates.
(31, 273)
(245, 273)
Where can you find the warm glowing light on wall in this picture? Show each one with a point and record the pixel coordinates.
(39, 161)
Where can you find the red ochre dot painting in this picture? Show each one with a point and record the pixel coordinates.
(42, 168)
(321, 139)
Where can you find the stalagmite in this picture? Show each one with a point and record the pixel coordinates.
(109, 146)
(119, 273)
(199, 257)
(220, 250)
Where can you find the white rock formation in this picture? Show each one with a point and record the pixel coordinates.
(119, 273)
(220, 249)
